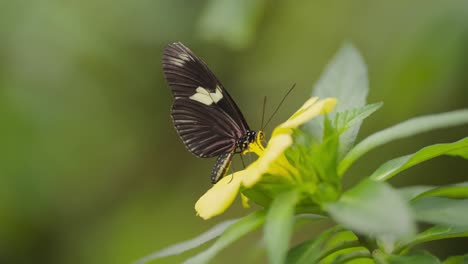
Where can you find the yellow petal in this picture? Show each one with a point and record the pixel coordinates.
(276, 146)
(217, 199)
(309, 110)
(306, 105)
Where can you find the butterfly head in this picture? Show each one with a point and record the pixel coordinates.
(253, 142)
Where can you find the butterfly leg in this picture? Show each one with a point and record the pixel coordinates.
(242, 159)
(232, 172)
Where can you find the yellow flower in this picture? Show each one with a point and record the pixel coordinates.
(271, 161)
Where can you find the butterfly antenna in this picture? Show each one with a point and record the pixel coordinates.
(263, 111)
(278, 107)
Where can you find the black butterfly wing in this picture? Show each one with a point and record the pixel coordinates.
(206, 131)
(204, 114)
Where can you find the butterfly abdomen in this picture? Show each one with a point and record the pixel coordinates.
(221, 167)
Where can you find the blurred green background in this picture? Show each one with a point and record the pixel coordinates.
(91, 169)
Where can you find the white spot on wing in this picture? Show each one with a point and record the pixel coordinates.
(218, 95)
(205, 97)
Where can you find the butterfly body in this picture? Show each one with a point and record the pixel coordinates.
(204, 114)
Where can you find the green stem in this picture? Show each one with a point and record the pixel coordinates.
(405, 129)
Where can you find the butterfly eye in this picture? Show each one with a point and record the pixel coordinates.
(262, 136)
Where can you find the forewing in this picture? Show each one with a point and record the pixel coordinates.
(189, 77)
(205, 130)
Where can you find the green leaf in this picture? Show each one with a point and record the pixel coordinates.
(408, 128)
(349, 118)
(411, 192)
(233, 233)
(344, 78)
(456, 191)
(310, 250)
(339, 246)
(375, 209)
(416, 258)
(189, 244)
(363, 255)
(395, 166)
(457, 260)
(434, 233)
(279, 226)
(316, 165)
(440, 210)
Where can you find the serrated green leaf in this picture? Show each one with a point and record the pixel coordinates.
(408, 128)
(189, 244)
(233, 233)
(434, 233)
(344, 78)
(316, 164)
(440, 210)
(348, 118)
(309, 251)
(375, 209)
(279, 226)
(395, 166)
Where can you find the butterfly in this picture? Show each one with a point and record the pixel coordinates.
(204, 114)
